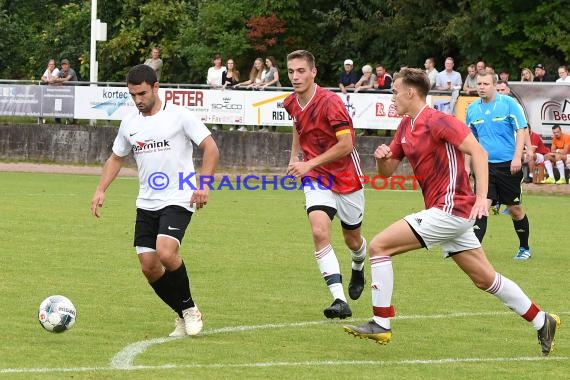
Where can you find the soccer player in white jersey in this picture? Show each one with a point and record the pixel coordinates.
(160, 135)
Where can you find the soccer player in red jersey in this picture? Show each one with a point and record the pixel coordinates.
(435, 144)
(330, 171)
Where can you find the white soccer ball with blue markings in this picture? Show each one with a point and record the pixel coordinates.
(57, 314)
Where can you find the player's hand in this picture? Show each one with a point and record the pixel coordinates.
(516, 166)
(382, 152)
(97, 202)
(199, 198)
(298, 169)
(479, 209)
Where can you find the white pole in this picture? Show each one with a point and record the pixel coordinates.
(93, 56)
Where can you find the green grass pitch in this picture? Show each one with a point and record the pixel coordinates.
(253, 274)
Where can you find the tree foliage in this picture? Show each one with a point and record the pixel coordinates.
(508, 34)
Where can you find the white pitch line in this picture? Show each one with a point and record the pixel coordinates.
(125, 358)
(379, 363)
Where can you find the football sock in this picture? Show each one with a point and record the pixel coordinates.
(330, 270)
(561, 168)
(515, 299)
(182, 284)
(480, 228)
(522, 229)
(164, 288)
(548, 168)
(382, 287)
(359, 256)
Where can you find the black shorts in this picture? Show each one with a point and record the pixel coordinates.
(504, 187)
(171, 221)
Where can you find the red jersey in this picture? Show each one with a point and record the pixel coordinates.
(537, 142)
(318, 124)
(430, 142)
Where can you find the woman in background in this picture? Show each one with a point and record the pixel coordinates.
(271, 77)
(256, 75)
(230, 77)
(526, 75)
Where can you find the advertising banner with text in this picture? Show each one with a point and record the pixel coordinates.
(20, 100)
(544, 104)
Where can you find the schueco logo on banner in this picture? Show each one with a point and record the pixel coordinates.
(226, 105)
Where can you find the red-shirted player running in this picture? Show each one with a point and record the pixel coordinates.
(330, 170)
(434, 144)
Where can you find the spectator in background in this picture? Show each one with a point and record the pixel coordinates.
(534, 155)
(50, 77)
(470, 84)
(66, 74)
(256, 74)
(559, 155)
(448, 79)
(348, 78)
(504, 75)
(563, 74)
(540, 74)
(155, 62)
(481, 67)
(383, 79)
(215, 73)
(491, 70)
(230, 77)
(527, 75)
(367, 80)
(271, 77)
(431, 71)
(503, 87)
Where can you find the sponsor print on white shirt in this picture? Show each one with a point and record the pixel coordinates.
(162, 148)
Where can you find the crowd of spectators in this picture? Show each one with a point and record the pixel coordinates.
(264, 73)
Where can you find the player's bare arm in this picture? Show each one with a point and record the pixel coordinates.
(342, 148)
(210, 158)
(561, 154)
(480, 167)
(522, 137)
(385, 164)
(295, 148)
(110, 170)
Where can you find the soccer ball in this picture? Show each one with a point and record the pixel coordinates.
(56, 314)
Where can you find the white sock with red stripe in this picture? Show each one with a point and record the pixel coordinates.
(516, 300)
(359, 256)
(330, 270)
(382, 287)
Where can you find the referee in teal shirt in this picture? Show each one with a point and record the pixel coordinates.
(498, 122)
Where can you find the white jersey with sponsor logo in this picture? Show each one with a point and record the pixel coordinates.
(162, 147)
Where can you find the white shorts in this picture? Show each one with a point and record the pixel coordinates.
(349, 207)
(453, 233)
(538, 160)
(567, 156)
